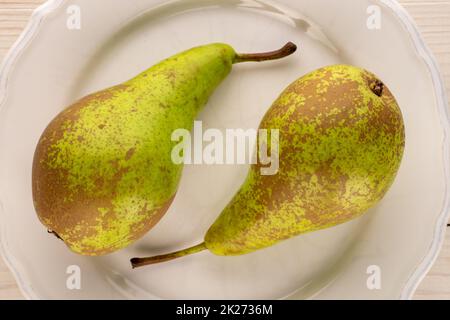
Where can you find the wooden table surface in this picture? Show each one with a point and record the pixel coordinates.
(433, 18)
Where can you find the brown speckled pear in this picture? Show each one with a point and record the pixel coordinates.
(103, 175)
(341, 144)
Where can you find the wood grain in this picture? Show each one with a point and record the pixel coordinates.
(433, 18)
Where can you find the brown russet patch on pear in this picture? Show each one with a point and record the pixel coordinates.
(49, 189)
(56, 129)
(83, 208)
(154, 218)
(337, 159)
(85, 204)
(340, 96)
(99, 96)
(172, 76)
(130, 153)
(139, 229)
(48, 183)
(314, 108)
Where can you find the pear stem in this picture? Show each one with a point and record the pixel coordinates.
(140, 262)
(287, 50)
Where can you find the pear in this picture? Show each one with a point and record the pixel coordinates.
(102, 172)
(342, 139)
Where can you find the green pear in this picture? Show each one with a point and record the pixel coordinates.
(102, 173)
(341, 143)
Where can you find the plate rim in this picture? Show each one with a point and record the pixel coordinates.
(37, 18)
(422, 49)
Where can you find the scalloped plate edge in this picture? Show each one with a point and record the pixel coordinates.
(37, 18)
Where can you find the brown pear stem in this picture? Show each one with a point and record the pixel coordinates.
(287, 50)
(140, 262)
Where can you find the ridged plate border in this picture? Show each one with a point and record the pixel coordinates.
(32, 29)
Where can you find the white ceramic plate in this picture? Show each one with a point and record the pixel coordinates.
(51, 66)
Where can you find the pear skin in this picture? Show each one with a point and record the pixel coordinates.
(102, 172)
(342, 139)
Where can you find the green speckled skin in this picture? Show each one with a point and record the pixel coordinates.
(340, 149)
(102, 173)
